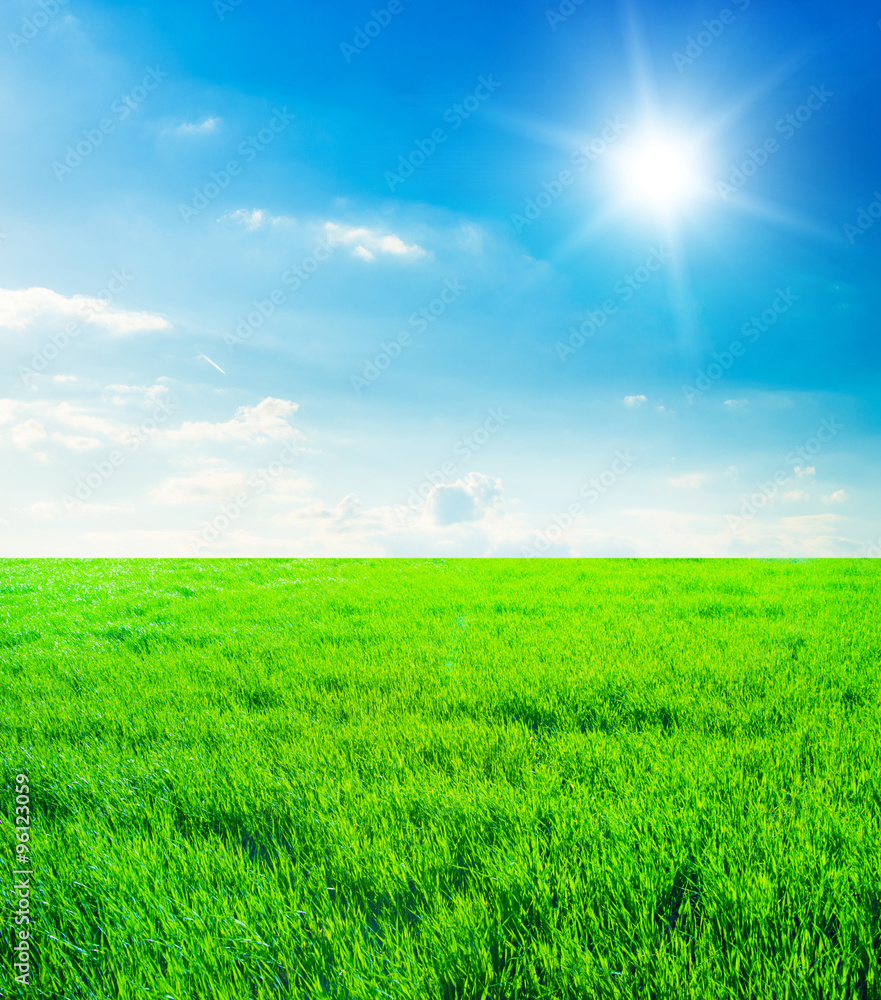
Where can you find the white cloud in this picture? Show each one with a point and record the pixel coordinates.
(8, 410)
(796, 496)
(465, 518)
(634, 400)
(215, 484)
(255, 218)
(267, 421)
(45, 511)
(28, 433)
(735, 402)
(147, 395)
(369, 242)
(666, 533)
(287, 487)
(64, 379)
(199, 128)
(21, 307)
(75, 417)
(690, 480)
(32, 431)
(221, 482)
(61, 418)
(839, 496)
(801, 473)
(465, 521)
(250, 220)
(468, 499)
(348, 510)
(75, 442)
(366, 243)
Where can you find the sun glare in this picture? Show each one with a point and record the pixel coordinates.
(658, 172)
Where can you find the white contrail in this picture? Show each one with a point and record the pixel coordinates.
(210, 362)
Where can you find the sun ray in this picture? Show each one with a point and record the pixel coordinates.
(779, 215)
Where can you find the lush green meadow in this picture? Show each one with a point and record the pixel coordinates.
(429, 780)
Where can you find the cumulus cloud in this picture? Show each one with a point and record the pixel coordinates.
(468, 499)
(267, 421)
(28, 433)
(147, 395)
(801, 473)
(464, 518)
(796, 496)
(8, 410)
(199, 128)
(255, 218)
(839, 496)
(367, 243)
(79, 419)
(634, 400)
(32, 431)
(19, 308)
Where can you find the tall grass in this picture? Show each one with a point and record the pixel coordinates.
(430, 780)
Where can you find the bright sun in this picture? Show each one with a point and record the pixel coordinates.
(658, 172)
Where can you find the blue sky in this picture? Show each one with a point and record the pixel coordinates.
(281, 279)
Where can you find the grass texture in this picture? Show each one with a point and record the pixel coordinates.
(445, 780)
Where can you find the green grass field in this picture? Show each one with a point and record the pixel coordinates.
(430, 780)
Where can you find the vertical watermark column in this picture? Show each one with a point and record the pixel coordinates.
(22, 880)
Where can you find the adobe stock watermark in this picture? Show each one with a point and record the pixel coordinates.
(233, 509)
(562, 13)
(697, 44)
(32, 26)
(224, 7)
(581, 158)
(22, 872)
(120, 109)
(768, 491)
(248, 149)
(455, 116)
(625, 288)
(787, 126)
(44, 356)
(873, 550)
(364, 35)
(463, 450)
(103, 471)
(591, 491)
(866, 218)
(751, 331)
(419, 322)
(292, 280)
